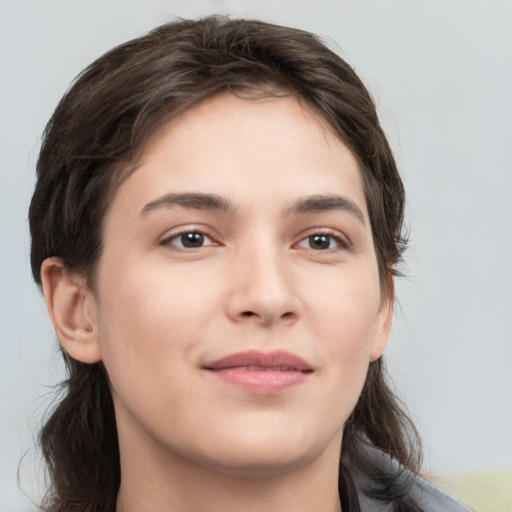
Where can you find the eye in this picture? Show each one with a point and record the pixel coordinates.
(321, 242)
(189, 240)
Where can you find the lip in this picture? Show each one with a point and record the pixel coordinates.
(259, 372)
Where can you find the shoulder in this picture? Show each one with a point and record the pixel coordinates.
(425, 496)
(432, 499)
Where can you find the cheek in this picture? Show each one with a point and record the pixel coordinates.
(345, 320)
(148, 324)
(347, 309)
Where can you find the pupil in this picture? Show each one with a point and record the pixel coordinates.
(192, 240)
(319, 241)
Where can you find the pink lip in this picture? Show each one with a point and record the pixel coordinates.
(261, 373)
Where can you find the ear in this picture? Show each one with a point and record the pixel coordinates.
(71, 307)
(384, 321)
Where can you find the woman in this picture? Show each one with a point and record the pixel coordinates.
(216, 227)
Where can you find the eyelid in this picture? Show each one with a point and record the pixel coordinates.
(177, 232)
(344, 242)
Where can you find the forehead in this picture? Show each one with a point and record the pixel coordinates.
(239, 146)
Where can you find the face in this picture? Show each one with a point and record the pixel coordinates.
(238, 303)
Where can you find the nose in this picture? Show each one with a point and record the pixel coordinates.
(262, 288)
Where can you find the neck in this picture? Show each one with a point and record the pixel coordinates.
(162, 482)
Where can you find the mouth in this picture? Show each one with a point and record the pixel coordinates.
(261, 373)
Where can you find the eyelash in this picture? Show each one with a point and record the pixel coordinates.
(175, 236)
(341, 243)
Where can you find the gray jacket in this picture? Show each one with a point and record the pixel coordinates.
(426, 495)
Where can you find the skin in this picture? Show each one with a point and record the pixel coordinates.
(161, 311)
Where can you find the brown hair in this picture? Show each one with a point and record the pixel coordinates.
(101, 125)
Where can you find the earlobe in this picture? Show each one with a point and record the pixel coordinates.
(384, 322)
(71, 309)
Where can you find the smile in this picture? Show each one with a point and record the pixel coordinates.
(261, 373)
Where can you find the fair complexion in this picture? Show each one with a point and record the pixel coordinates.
(242, 229)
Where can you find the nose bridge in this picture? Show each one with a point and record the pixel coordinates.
(263, 285)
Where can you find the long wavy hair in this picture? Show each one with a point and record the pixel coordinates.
(99, 128)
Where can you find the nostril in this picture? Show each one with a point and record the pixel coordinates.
(267, 317)
(284, 316)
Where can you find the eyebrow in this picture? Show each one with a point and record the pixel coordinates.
(323, 203)
(201, 201)
(194, 200)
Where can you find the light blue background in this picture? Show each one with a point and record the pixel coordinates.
(441, 74)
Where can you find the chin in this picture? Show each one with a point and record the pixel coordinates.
(264, 463)
(269, 452)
